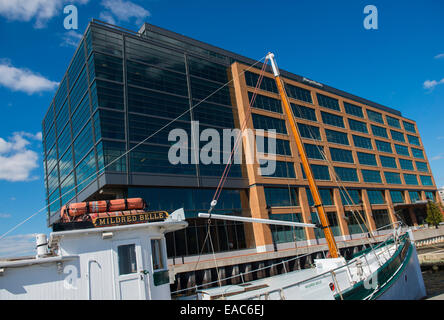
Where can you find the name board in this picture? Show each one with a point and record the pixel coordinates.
(312, 82)
(130, 219)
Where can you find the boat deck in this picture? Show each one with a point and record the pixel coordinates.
(260, 286)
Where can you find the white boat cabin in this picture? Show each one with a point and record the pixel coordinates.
(117, 262)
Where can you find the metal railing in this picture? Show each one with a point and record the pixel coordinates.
(332, 274)
(353, 263)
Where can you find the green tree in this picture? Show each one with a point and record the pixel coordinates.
(434, 215)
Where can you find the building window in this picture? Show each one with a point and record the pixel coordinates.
(265, 103)
(376, 196)
(406, 164)
(333, 223)
(375, 116)
(107, 67)
(309, 132)
(351, 197)
(282, 146)
(388, 162)
(417, 153)
(168, 81)
(314, 151)
(298, 93)
(282, 234)
(421, 166)
(332, 119)
(379, 131)
(383, 146)
(281, 197)
(398, 136)
(353, 110)
(362, 142)
(341, 155)
(347, 174)
(108, 152)
(392, 177)
(77, 64)
(430, 195)
(303, 112)
(426, 180)
(86, 171)
(393, 122)
(283, 170)
(382, 219)
(200, 90)
(328, 102)
(357, 126)
(267, 84)
(367, 159)
(336, 137)
(410, 179)
(356, 222)
(319, 233)
(414, 196)
(320, 172)
(112, 124)
(397, 196)
(326, 197)
(203, 68)
(413, 140)
(402, 150)
(266, 123)
(371, 176)
(410, 127)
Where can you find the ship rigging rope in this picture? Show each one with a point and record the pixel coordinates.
(227, 170)
(338, 181)
(125, 153)
(239, 137)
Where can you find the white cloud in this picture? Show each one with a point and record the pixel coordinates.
(120, 10)
(71, 39)
(107, 17)
(18, 245)
(24, 80)
(39, 10)
(5, 215)
(431, 84)
(16, 160)
(437, 157)
(439, 56)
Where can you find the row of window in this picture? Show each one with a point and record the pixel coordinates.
(289, 196)
(313, 132)
(284, 169)
(303, 112)
(298, 93)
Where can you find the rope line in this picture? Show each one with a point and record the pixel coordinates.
(238, 139)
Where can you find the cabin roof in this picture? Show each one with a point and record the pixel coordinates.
(168, 226)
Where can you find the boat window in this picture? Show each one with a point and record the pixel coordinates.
(127, 259)
(157, 254)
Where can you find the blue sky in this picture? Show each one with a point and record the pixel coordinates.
(400, 65)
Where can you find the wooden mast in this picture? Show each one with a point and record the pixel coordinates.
(334, 253)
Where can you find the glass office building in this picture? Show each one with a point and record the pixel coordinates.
(124, 91)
